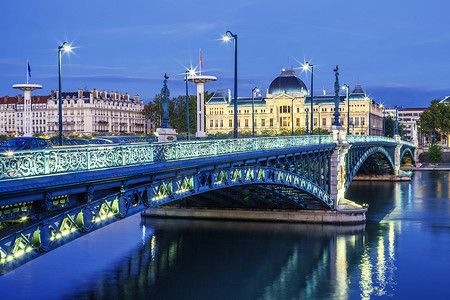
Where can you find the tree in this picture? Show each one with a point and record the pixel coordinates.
(434, 154)
(389, 124)
(436, 119)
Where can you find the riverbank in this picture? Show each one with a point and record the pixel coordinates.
(431, 167)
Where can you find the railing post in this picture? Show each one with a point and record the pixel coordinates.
(46, 162)
(123, 155)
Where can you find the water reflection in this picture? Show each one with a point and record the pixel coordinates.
(190, 259)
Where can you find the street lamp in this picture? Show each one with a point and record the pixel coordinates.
(66, 47)
(370, 112)
(320, 107)
(347, 88)
(306, 110)
(396, 122)
(255, 89)
(306, 68)
(227, 37)
(336, 113)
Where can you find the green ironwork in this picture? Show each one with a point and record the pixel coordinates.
(165, 94)
(336, 113)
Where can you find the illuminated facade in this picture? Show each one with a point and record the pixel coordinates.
(287, 100)
(84, 113)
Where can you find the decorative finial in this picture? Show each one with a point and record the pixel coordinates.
(165, 76)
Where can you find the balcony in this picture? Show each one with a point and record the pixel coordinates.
(123, 123)
(102, 122)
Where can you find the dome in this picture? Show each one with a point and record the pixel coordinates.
(287, 83)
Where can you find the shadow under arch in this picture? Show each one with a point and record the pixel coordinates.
(375, 159)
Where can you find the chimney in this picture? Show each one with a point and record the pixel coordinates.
(229, 95)
(80, 93)
(103, 94)
(95, 93)
(52, 93)
(136, 98)
(57, 94)
(126, 97)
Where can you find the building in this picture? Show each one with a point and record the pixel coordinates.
(83, 113)
(408, 123)
(12, 114)
(287, 100)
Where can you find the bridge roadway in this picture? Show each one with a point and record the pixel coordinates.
(61, 194)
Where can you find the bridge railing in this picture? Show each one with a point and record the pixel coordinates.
(191, 149)
(372, 138)
(22, 164)
(52, 161)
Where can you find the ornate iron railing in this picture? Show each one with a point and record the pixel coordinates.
(28, 163)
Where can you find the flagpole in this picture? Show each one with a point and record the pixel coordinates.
(28, 63)
(200, 58)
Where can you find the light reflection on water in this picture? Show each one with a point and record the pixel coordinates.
(192, 259)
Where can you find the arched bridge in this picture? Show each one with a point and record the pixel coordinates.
(52, 196)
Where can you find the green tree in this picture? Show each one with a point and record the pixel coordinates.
(434, 154)
(389, 126)
(436, 119)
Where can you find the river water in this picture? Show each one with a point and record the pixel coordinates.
(401, 253)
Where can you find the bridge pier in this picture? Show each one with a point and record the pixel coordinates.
(397, 153)
(337, 165)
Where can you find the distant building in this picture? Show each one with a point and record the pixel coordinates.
(84, 113)
(288, 100)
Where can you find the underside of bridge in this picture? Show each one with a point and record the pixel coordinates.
(377, 163)
(252, 197)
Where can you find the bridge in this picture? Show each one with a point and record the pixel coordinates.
(53, 196)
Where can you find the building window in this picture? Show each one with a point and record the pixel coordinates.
(221, 123)
(246, 122)
(297, 122)
(217, 123)
(315, 121)
(271, 122)
(263, 122)
(230, 123)
(324, 121)
(211, 123)
(363, 121)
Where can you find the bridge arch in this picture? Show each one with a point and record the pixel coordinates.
(406, 152)
(356, 161)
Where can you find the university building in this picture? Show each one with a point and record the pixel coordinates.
(288, 100)
(83, 113)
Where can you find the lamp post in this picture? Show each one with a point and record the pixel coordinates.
(370, 119)
(227, 37)
(384, 119)
(396, 122)
(318, 118)
(306, 110)
(255, 89)
(66, 47)
(306, 68)
(347, 88)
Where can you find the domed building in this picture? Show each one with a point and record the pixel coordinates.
(287, 99)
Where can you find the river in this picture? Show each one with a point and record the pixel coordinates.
(401, 252)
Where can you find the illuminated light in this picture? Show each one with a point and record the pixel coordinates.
(97, 219)
(29, 249)
(102, 217)
(2, 261)
(24, 218)
(226, 38)
(64, 233)
(110, 215)
(73, 229)
(305, 67)
(191, 72)
(9, 258)
(58, 236)
(52, 238)
(19, 253)
(67, 48)
(10, 153)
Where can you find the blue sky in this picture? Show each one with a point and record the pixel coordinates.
(398, 50)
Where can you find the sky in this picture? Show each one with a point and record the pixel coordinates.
(397, 50)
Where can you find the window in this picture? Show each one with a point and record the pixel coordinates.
(263, 122)
(315, 121)
(221, 123)
(230, 123)
(297, 122)
(217, 123)
(211, 123)
(363, 121)
(246, 122)
(324, 121)
(271, 122)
